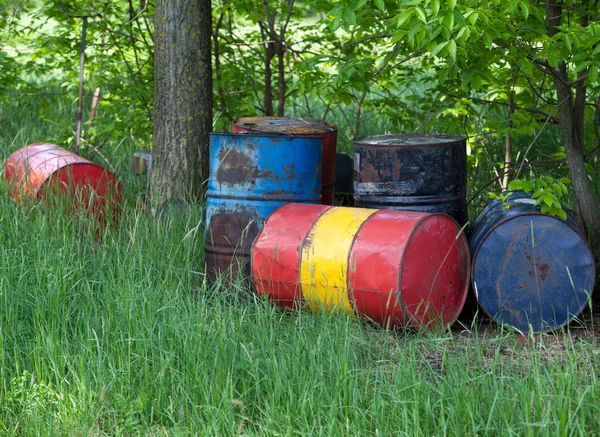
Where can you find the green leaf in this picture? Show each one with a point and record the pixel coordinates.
(421, 14)
(562, 214)
(515, 185)
(487, 40)
(473, 18)
(413, 31)
(451, 4)
(568, 43)
(448, 20)
(565, 181)
(404, 16)
(525, 9)
(563, 188)
(435, 6)
(526, 66)
(537, 194)
(380, 4)
(438, 48)
(592, 75)
(548, 199)
(452, 49)
(545, 209)
(554, 57)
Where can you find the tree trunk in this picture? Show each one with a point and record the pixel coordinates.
(571, 125)
(182, 99)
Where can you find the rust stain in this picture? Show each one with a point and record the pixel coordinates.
(276, 193)
(544, 270)
(238, 168)
(396, 165)
(368, 173)
(287, 126)
(229, 238)
(289, 169)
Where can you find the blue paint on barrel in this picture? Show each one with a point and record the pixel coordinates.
(531, 271)
(250, 177)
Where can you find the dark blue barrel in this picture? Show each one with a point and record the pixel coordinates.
(250, 177)
(531, 271)
(415, 172)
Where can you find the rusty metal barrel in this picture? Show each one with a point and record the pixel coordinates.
(414, 172)
(43, 168)
(530, 271)
(299, 127)
(393, 267)
(250, 177)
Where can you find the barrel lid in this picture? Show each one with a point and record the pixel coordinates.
(284, 125)
(533, 271)
(410, 140)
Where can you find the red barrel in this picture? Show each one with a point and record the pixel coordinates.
(299, 127)
(393, 267)
(37, 169)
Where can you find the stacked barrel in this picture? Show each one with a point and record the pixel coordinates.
(269, 220)
(401, 257)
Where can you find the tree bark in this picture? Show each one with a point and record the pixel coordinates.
(182, 99)
(571, 124)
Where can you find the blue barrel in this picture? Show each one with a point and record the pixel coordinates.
(250, 177)
(530, 271)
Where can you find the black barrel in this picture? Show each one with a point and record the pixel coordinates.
(531, 271)
(415, 172)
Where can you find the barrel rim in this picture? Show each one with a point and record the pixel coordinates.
(507, 219)
(460, 236)
(332, 127)
(453, 140)
(265, 135)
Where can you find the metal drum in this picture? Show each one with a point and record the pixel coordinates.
(42, 168)
(299, 127)
(393, 267)
(142, 161)
(530, 271)
(250, 177)
(343, 180)
(415, 172)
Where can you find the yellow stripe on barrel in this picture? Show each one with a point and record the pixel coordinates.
(325, 253)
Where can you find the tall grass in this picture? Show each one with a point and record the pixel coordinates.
(116, 333)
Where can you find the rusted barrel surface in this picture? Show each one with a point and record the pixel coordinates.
(299, 127)
(416, 172)
(393, 267)
(531, 271)
(251, 176)
(40, 168)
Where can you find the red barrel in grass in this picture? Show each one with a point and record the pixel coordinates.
(299, 127)
(42, 168)
(393, 267)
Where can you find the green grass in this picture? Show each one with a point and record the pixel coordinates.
(116, 333)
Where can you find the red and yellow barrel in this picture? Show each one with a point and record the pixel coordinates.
(394, 267)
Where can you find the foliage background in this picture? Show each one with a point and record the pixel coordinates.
(358, 64)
